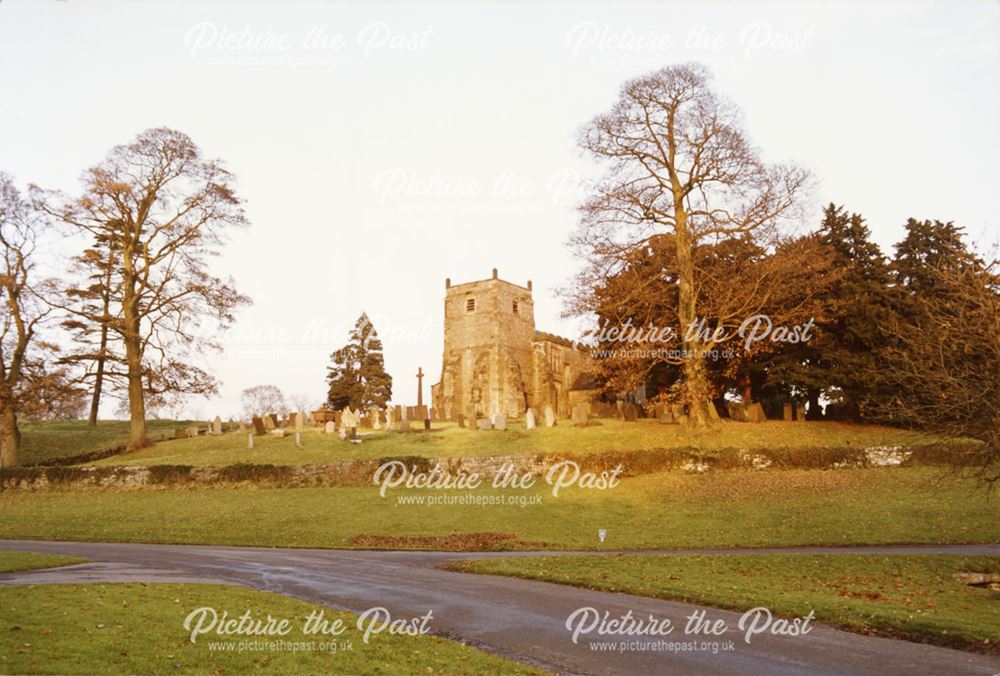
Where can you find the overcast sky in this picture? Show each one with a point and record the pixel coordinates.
(381, 148)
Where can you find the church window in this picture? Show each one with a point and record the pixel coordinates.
(515, 307)
(470, 305)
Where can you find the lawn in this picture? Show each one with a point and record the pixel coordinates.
(725, 508)
(449, 440)
(139, 629)
(43, 441)
(15, 561)
(912, 597)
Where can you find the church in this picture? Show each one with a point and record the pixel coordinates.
(495, 361)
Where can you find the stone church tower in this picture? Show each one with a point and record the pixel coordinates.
(496, 362)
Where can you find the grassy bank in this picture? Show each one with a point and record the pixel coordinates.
(663, 510)
(50, 440)
(447, 440)
(911, 597)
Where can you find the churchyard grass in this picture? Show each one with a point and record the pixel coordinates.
(49, 440)
(724, 508)
(139, 629)
(14, 561)
(448, 440)
(911, 597)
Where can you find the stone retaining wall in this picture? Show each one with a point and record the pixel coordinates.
(360, 472)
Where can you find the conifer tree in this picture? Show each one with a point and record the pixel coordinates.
(357, 375)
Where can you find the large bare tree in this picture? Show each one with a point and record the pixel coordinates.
(944, 365)
(164, 210)
(24, 307)
(678, 162)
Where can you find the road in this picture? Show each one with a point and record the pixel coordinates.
(521, 619)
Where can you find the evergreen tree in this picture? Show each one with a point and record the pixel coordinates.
(843, 357)
(929, 248)
(357, 376)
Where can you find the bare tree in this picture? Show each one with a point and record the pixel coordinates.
(261, 400)
(164, 210)
(678, 162)
(47, 391)
(90, 310)
(302, 403)
(23, 306)
(945, 365)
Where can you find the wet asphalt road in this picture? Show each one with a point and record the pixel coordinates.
(520, 619)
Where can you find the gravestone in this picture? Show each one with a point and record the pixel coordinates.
(529, 419)
(217, 426)
(713, 414)
(179, 433)
(242, 428)
(390, 414)
(343, 433)
(755, 413)
(404, 424)
(786, 412)
(330, 427)
(580, 414)
(192, 431)
(619, 408)
(461, 421)
(249, 442)
(278, 432)
(665, 415)
(485, 424)
(300, 421)
(500, 421)
(550, 417)
(269, 422)
(376, 418)
(602, 409)
(258, 425)
(800, 412)
(630, 412)
(427, 423)
(274, 419)
(298, 439)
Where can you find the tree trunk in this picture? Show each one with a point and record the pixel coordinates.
(10, 436)
(136, 404)
(746, 388)
(813, 396)
(95, 401)
(133, 361)
(695, 375)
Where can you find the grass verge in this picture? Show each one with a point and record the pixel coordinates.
(909, 597)
(11, 562)
(139, 628)
(727, 508)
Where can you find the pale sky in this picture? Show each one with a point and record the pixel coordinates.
(381, 148)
